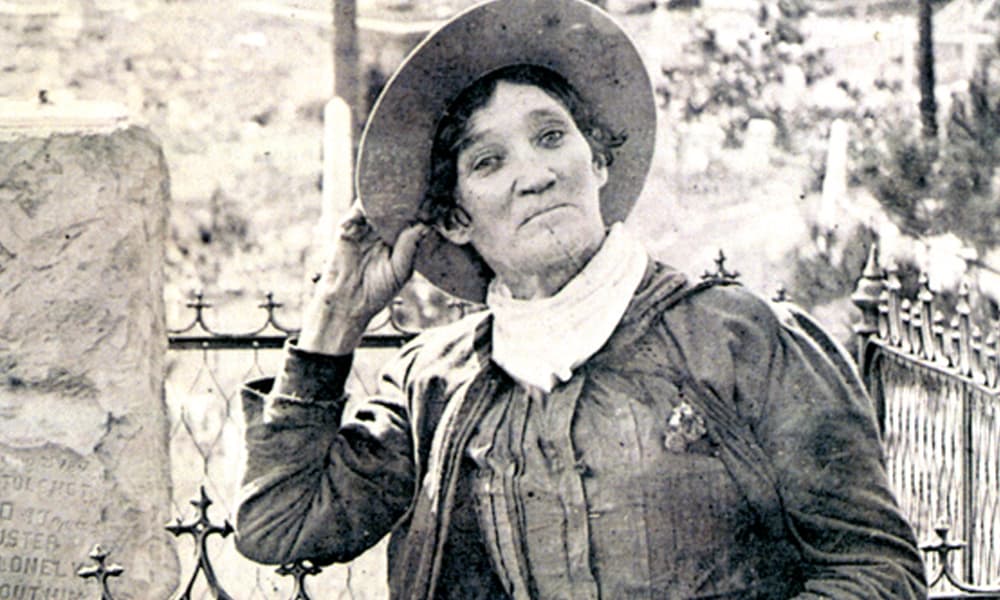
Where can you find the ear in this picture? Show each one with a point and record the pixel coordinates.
(457, 231)
(601, 170)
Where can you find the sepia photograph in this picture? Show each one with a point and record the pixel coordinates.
(499, 299)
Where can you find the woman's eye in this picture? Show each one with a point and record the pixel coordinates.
(485, 163)
(551, 138)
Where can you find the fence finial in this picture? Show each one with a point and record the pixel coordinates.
(781, 294)
(993, 373)
(964, 317)
(200, 530)
(942, 351)
(299, 570)
(925, 301)
(101, 572)
(893, 286)
(866, 297)
(943, 548)
(906, 324)
(721, 273)
(270, 306)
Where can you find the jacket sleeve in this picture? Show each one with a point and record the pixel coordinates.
(321, 483)
(818, 426)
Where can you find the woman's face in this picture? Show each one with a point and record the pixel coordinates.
(528, 179)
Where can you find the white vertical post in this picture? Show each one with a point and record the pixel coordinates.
(835, 178)
(338, 165)
(660, 26)
(834, 183)
(970, 53)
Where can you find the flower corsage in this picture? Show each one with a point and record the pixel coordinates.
(683, 427)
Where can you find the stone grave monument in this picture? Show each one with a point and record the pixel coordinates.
(83, 429)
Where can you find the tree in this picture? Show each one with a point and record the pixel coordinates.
(928, 105)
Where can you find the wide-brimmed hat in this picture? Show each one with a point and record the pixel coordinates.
(571, 37)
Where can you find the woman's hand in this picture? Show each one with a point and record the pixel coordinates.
(361, 276)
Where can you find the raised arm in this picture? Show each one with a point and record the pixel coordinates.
(319, 483)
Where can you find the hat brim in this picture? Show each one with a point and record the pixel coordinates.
(572, 37)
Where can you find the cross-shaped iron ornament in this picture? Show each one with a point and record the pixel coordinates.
(299, 570)
(101, 572)
(943, 548)
(720, 270)
(200, 530)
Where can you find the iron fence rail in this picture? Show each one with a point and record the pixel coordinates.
(936, 386)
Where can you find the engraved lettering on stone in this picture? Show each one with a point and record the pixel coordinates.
(48, 498)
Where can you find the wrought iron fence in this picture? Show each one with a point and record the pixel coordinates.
(936, 386)
(207, 368)
(937, 389)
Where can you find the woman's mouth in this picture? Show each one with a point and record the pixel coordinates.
(542, 212)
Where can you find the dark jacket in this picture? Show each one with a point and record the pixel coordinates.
(792, 424)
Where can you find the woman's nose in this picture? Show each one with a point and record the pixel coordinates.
(534, 177)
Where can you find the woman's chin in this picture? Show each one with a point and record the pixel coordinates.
(556, 250)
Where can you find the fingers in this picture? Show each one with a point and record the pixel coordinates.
(354, 214)
(362, 238)
(405, 250)
(355, 226)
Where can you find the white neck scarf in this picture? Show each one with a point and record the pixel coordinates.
(539, 342)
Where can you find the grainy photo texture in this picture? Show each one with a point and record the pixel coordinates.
(518, 299)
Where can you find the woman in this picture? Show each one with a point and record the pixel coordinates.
(604, 430)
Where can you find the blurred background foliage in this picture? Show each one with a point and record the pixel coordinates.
(946, 184)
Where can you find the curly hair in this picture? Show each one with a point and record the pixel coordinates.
(439, 204)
